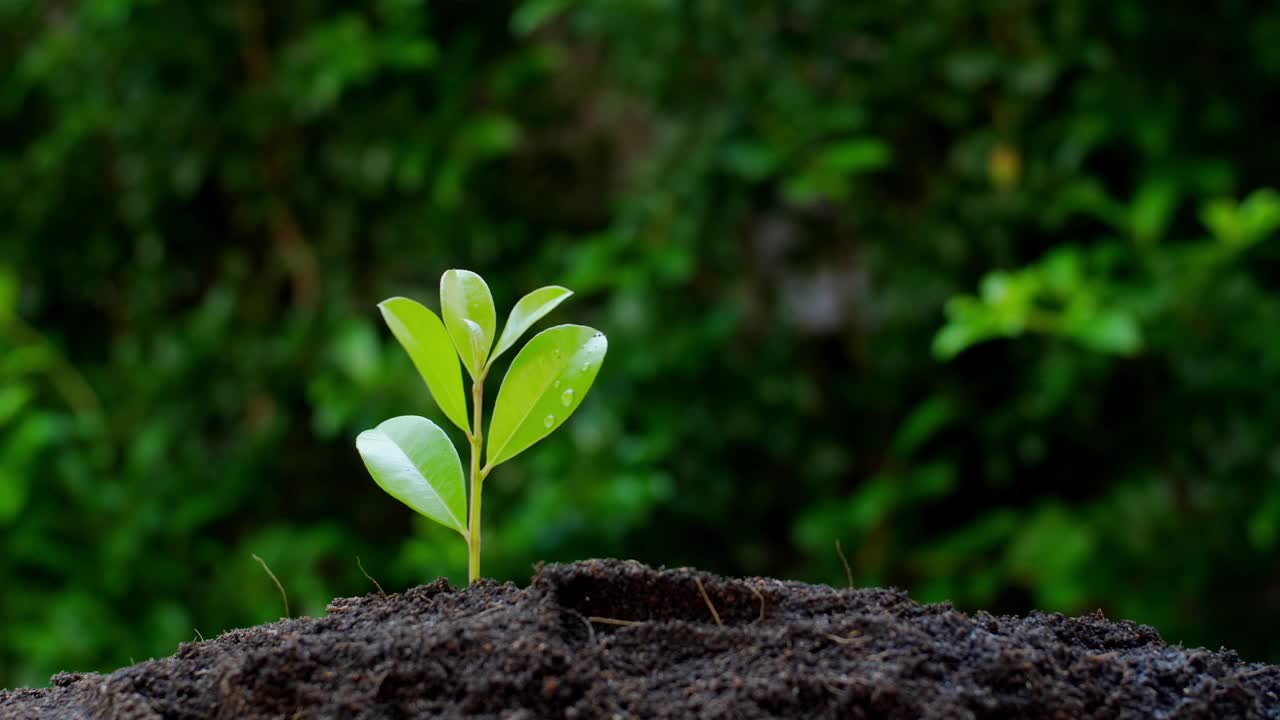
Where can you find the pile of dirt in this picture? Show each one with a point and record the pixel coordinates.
(604, 639)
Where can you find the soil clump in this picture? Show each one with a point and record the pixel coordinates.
(608, 638)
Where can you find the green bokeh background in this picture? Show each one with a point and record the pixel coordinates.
(989, 292)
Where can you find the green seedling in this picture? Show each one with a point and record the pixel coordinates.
(412, 459)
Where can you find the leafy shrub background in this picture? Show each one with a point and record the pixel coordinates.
(989, 292)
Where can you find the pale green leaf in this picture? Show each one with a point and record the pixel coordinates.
(476, 333)
(547, 381)
(464, 297)
(412, 459)
(424, 337)
(529, 310)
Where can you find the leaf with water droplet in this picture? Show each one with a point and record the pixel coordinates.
(412, 459)
(468, 313)
(424, 337)
(571, 354)
(530, 309)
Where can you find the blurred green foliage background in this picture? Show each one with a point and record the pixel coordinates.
(987, 291)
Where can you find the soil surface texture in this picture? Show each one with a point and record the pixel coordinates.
(606, 639)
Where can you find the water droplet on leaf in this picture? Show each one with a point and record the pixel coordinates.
(549, 420)
(566, 397)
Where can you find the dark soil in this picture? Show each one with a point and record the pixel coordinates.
(784, 650)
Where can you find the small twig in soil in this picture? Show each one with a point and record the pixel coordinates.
(591, 631)
(198, 634)
(370, 577)
(613, 621)
(275, 580)
(377, 682)
(760, 597)
(854, 637)
(848, 574)
(707, 597)
(842, 679)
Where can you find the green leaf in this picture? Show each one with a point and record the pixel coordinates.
(828, 173)
(547, 381)
(923, 423)
(412, 459)
(13, 398)
(953, 339)
(13, 493)
(1111, 332)
(1243, 224)
(855, 156)
(488, 135)
(533, 14)
(1223, 220)
(423, 336)
(469, 315)
(751, 161)
(8, 291)
(529, 310)
(1264, 524)
(1153, 209)
(476, 335)
(1260, 213)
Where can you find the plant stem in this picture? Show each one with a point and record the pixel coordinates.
(477, 480)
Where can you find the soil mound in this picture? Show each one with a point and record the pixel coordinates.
(604, 639)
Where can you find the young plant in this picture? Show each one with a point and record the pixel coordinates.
(412, 459)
